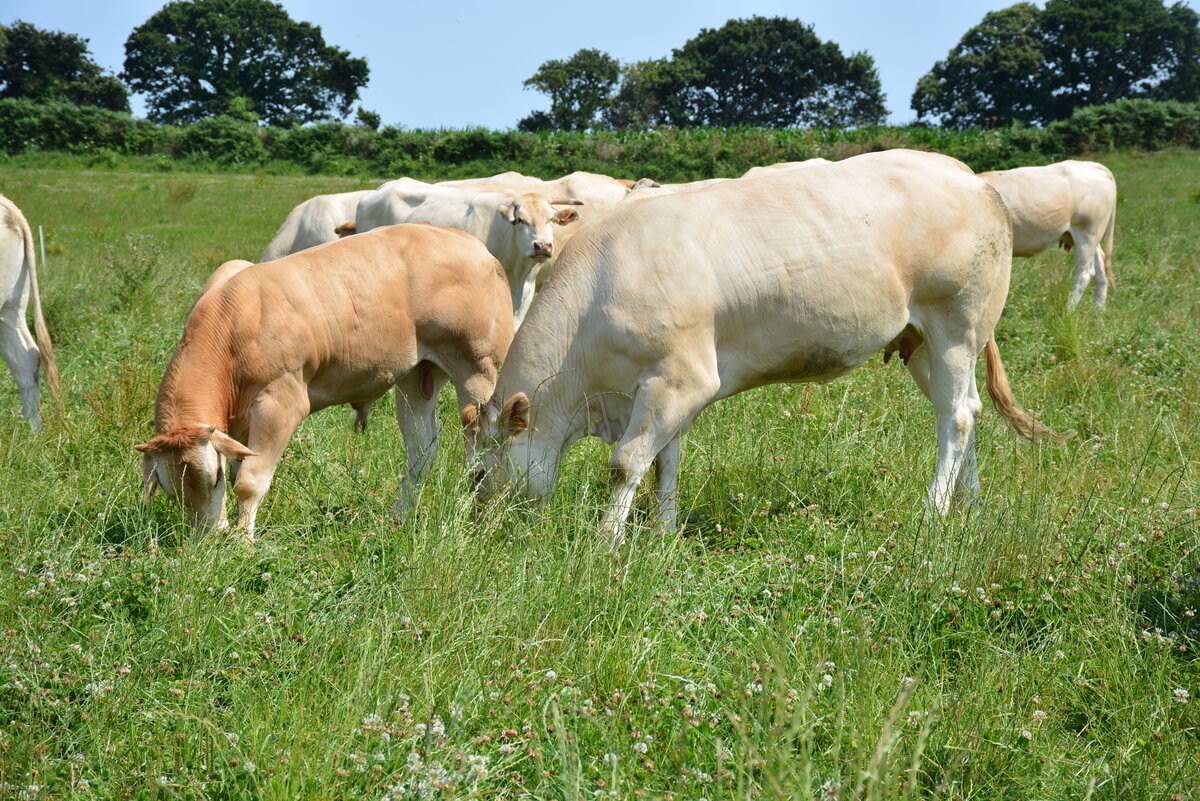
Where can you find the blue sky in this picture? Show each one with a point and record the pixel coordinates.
(442, 64)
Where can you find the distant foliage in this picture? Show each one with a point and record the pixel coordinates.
(773, 72)
(52, 65)
(1030, 65)
(763, 71)
(240, 58)
(579, 90)
(669, 154)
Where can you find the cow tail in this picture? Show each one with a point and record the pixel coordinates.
(1000, 390)
(1108, 246)
(45, 346)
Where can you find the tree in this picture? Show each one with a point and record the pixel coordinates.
(579, 89)
(993, 77)
(772, 71)
(645, 99)
(52, 65)
(1022, 64)
(208, 57)
(1100, 51)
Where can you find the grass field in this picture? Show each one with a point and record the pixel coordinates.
(812, 633)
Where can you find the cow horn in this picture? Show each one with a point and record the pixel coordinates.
(566, 202)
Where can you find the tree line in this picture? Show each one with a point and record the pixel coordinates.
(249, 60)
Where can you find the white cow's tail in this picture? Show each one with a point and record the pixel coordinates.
(1022, 422)
(1108, 246)
(45, 346)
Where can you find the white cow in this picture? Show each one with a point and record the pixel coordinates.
(648, 187)
(671, 303)
(1071, 203)
(313, 222)
(754, 172)
(517, 228)
(18, 281)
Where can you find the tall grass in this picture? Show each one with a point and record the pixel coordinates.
(811, 633)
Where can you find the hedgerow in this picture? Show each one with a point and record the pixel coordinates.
(222, 144)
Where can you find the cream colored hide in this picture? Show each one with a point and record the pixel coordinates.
(596, 192)
(754, 172)
(647, 187)
(668, 304)
(266, 345)
(518, 228)
(312, 223)
(18, 282)
(1072, 203)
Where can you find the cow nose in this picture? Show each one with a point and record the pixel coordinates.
(543, 248)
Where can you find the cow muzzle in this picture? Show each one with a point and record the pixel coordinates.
(543, 250)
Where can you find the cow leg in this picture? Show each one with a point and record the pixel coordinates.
(1086, 246)
(666, 476)
(22, 356)
(661, 410)
(1101, 290)
(416, 414)
(523, 298)
(274, 417)
(951, 376)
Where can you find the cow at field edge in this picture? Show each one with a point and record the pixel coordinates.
(313, 222)
(18, 281)
(1071, 203)
(767, 169)
(673, 302)
(410, 306)
(516, 227)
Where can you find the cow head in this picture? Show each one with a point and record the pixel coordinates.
(507, 452)
(534, 215)
(189, 463)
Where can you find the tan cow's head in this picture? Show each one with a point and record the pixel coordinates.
(534, 215)
(189, 463)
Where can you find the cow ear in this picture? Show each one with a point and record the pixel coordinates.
(149, 476)
(346, 229)
(508, 212)
(514, 416)
(229, 447)
(564, 216)
(470, 419)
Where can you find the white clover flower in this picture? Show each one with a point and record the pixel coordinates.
(415, 763)
(232, 737)
(437, 727)
(551, 675)
(1027, 734)
(1181, 695)
(640, 747)
(1039, 715)
(230, 592)
(827, 680)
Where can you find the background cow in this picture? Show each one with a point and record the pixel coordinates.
(313, 222)
(1071, 203)
(18, 280)
(517, 227)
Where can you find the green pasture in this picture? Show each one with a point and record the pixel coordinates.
(811, 633)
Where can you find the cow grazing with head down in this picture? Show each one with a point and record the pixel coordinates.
(18, 282)
(517, 227)
(1071, 203)
(313, 222)
(668, 304)
(266, 345)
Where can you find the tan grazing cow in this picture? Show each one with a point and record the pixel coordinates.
(668, 304)
(1071, 203)
(313, 222)
(410, 306)
(18, 282)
